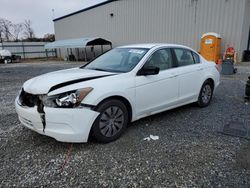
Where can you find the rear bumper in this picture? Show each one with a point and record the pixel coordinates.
(65, 125)
(216, 77)
(217, 83)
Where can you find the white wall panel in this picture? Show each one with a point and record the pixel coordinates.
(164, 21)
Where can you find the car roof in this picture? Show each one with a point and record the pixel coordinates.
(146, 45)
(152, 45)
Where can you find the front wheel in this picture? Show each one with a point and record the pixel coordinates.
(111, 122)
(206, 94)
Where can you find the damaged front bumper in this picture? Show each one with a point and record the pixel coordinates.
(63, 124)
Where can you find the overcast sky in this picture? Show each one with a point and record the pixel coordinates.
(40, 11)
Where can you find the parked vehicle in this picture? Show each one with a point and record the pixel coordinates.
(7, 57)
(121, 86)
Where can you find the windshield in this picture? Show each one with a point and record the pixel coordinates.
(118, 60)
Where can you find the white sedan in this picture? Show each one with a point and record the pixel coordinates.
(121, 86)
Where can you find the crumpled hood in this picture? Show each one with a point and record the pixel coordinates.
(44, 83)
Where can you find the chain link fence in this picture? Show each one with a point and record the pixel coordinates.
(28, 49)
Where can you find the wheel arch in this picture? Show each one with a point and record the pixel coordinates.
(123, 100)
(211, 80)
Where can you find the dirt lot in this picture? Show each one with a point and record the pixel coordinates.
(189, 153)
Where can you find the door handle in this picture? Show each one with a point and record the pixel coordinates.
(173, 76)
(199, 68)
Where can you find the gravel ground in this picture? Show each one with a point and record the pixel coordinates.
(189, 153)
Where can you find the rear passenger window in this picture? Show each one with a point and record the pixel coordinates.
(184, 57)
(196, 58)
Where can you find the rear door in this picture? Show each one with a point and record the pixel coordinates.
(190, 72)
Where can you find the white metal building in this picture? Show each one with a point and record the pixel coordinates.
(165, 21)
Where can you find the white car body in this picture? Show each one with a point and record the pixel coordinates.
(145, 95)
(5, 56)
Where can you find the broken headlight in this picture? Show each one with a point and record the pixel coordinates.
(69, 99)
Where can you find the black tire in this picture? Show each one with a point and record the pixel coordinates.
(206, 94)
(111, 122)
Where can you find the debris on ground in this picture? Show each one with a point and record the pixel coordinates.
(151, 137)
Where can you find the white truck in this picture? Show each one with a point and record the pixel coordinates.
(7, 57)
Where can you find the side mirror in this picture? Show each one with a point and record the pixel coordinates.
(148, 70)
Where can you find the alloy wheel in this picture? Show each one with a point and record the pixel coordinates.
(206, 94)
(111, 121)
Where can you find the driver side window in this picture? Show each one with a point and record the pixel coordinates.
(161, 59)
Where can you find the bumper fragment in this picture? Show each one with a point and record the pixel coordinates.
(65, 125)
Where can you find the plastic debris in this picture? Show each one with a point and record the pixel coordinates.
(154, 137)
(151, 137)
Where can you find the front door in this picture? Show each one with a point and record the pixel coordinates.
(157, 92)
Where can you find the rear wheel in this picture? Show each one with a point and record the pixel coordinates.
(206, 94)
(111, 122)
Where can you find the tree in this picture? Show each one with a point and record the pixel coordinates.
(49, 37)
(17, 29)
(5, 29)
(1, 34)
(28, 30)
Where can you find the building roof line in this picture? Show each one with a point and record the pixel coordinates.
(85, 9)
